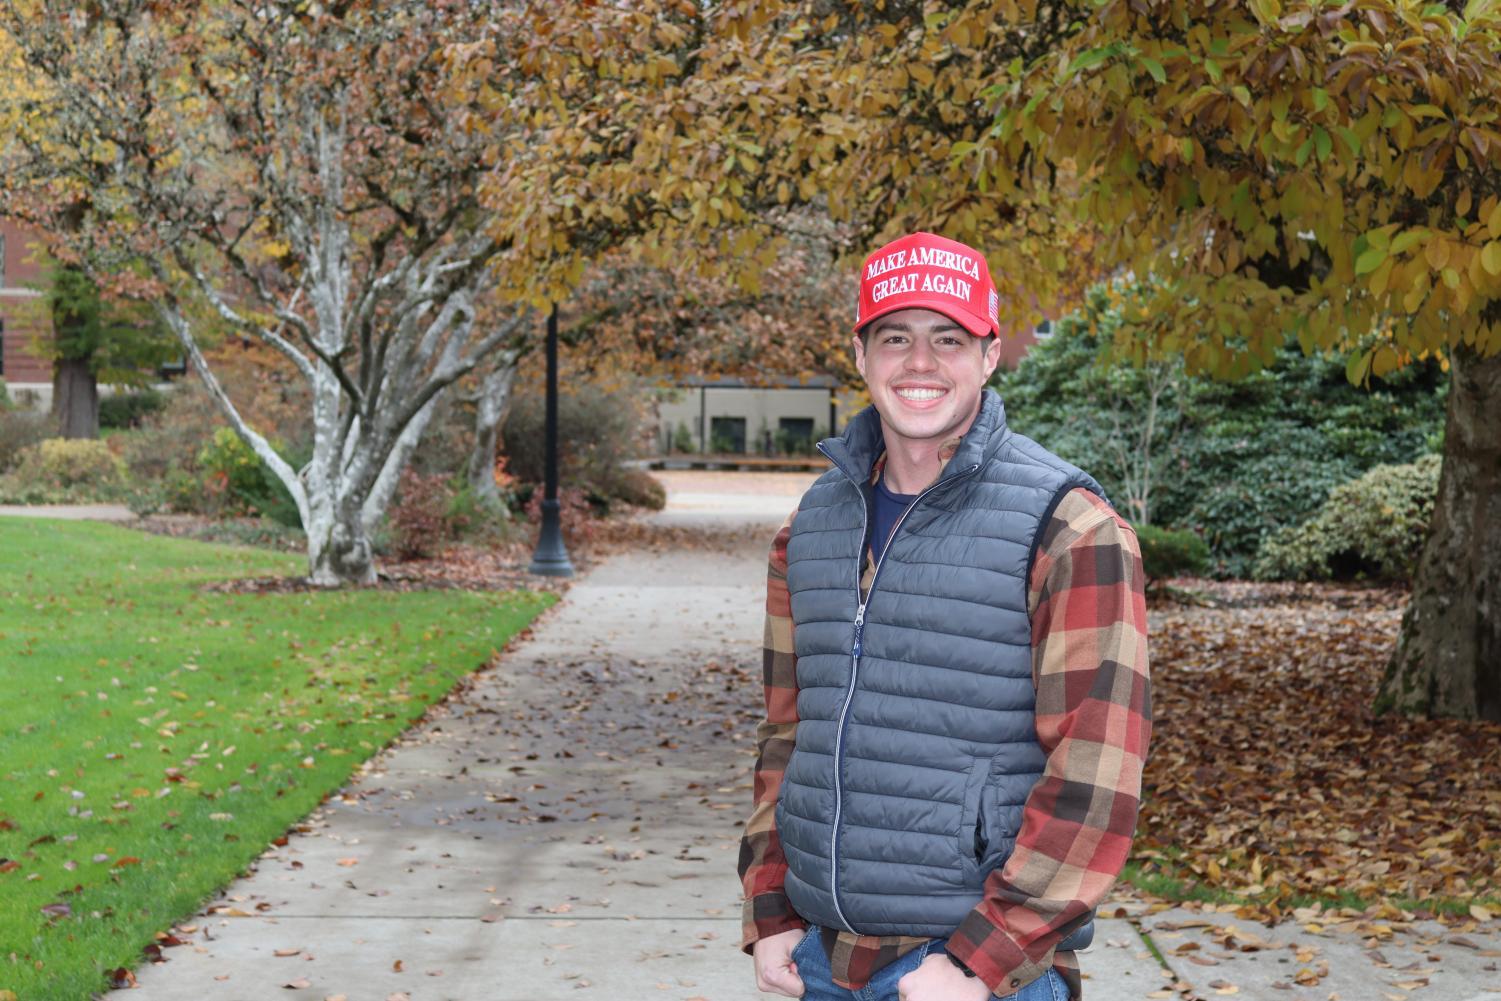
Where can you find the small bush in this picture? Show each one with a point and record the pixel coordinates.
(62, 470)
(5, 403)
(165, 447)
(236, 481)
(1371, 527)
(128, 410)
(597, 434)
(419, 518)
(20, 430)
(638, 487)
(1166, 553)
(471, 519)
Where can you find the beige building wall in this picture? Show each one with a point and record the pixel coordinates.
(747, 410)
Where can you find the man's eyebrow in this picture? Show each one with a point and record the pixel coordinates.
(904, 327)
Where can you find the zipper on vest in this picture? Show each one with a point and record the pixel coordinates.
(849, 694)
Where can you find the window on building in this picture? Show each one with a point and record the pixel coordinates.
(727, 435)
(795, 435)
(1043, 330)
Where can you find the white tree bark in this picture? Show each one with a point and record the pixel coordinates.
(490, 407)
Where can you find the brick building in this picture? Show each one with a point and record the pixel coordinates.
(22, 320)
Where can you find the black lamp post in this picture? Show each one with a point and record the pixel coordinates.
(551, 556)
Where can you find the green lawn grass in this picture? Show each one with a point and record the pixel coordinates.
(155, 738)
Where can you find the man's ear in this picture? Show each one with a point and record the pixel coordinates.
(859, 355)
(992, 354)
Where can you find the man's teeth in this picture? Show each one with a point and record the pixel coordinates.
(919, 394)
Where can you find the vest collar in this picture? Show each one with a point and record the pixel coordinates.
(862, 446)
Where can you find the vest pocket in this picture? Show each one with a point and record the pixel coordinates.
(967, 841)
(995, 837)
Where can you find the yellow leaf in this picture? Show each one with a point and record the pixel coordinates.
(1493, 223)
(1490, 257)
(1480, 912)
(1415, 295)
(1437, 253)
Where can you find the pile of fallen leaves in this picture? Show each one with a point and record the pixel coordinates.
(1269, 776)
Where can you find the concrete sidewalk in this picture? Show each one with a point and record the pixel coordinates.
(567, 825)
(69, 512)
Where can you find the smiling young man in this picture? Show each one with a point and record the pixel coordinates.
(957, 698)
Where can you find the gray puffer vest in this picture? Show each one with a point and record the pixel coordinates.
(916, 744)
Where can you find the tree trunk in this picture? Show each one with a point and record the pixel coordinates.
(75, 398)
(494, 394)
(339, 549)
(1448, 657)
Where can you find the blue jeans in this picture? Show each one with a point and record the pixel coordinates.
(818, 980)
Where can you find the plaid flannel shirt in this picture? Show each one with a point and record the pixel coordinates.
(1089, 657)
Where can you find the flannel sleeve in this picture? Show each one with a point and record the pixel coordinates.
(1089, 639)
(763, 867)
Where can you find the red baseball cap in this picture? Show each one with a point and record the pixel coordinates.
(928, 271)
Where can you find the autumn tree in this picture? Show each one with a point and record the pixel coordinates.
(671, 322)
(296, 174)
(1312, 171)
(1304, 170)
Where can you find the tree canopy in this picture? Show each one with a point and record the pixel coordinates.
(1307, 170)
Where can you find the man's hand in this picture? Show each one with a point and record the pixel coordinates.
(776, 973)
(937, 979)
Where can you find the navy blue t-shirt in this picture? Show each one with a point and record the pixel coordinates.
(886, 508)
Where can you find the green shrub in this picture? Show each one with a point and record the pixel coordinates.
(1234, 462)
(127, 410)
(5, 403)
(1371, 527)
(163, 450)
(64, 470)
(235, 481)
(1166, 553)
(20, 430)
(469, 518)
